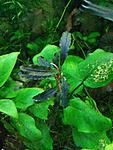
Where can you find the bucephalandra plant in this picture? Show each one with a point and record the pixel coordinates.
(66, 76)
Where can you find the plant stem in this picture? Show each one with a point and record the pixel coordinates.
(62, 15)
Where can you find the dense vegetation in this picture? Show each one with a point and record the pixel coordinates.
(56, 72)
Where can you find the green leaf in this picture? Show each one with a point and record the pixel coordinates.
(7, 63)
(46, 141)
(109, 147)
(71, 72)
(41, 110)
(93, 35)
(89, 126)
(24, 97)
(8, 107)
(32, 46)
(93, 141)
(96, 70)
(48, 53)
(7, 90)
(26, 127)
(84, 118)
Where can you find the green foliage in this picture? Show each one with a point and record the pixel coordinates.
(24, 97)
(30, 108)
(91, 38)
(89, 119)
(8, 107)
(7, 63)
(7, 90)
(44, 143)
(48, 53)
(25, 124)
(86, 124)
(109, 147)
(41, 110)
(96, 69)
(71, 72)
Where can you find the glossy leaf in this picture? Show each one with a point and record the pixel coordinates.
(91, 141)
(62, 96)
(96, 70)
(7, 63)
(71, 71)
(8, 107)
(48, 53)
(26, 127)
(89, 126)
(8, 89)
(65, 43)
(41, 110)
(109, 147)
(46, 141)
(84, 118)
(45, 95)
(24, 97)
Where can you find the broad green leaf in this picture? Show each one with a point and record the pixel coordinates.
(97, 69)
(26, 127)
(7, 63)
(41, 110)
(8, 89)
(84, 118)
(71, 72)
(24, 97)
(109, 147)
(46, 141)
(94, 141)
(48, 53)
(8, 107)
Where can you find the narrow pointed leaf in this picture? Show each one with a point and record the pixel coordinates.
(35, 72)
(65, 43)
(45, 95)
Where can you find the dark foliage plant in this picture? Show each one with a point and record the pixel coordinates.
(29, 109)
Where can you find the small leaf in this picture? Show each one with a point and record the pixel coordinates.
(45, 95)
(48, 53)
(26, 127)
(62, 96)
(8, 107)
(43, 62)
(65, 43)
